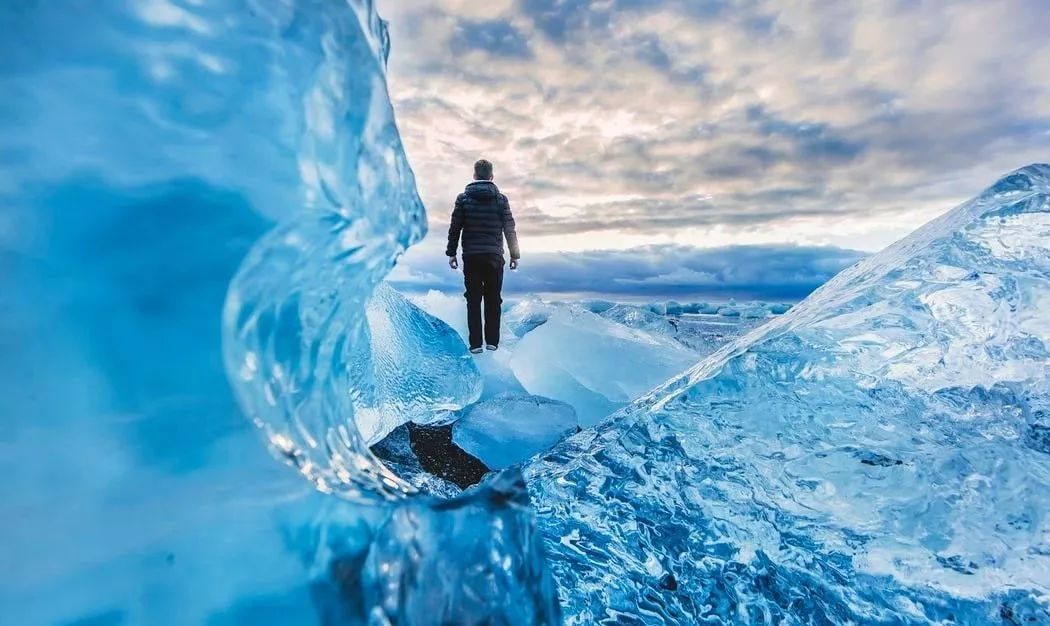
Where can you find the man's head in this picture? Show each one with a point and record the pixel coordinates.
(483, 170)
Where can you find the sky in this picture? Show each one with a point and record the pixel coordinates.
(711, 148)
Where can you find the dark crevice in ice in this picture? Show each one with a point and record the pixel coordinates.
(412, 449)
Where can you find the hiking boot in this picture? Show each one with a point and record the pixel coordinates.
(475, 350)
(490, 348)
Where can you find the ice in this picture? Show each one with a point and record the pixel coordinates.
(641, 318)
(872, 456)
(471, 545)
(699, 326)
(594, 364)
(707, 332)
(659, 308)
(204, 196)
(599, 306)
(542, 362)
(153, 154)
(451, 309)
(397, 453)
(421, 367)
(699, 307)
(528, 314)
(508, 429)
(753, 309)
(616, 355)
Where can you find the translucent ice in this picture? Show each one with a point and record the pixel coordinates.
(470, 545)
(533, 358)
(872, 456)
(421, 367)
(508, 429)
(594, 364)
(641, 318)
(153, 152)
(597, 306)
(451, 309)
(877, 455)
(528, 314)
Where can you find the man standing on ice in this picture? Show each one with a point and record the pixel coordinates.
(482, 215)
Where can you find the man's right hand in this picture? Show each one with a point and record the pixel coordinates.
(513, 264)
(453, 262)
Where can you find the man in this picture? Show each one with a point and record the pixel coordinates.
(482, 215)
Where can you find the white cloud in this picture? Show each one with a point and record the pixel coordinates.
(698, 124)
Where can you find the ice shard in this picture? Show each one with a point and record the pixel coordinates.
(592, 363)
(875, 455)
(509, 428)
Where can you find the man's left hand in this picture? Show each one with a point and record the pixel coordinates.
(453, 262)
(513, 264)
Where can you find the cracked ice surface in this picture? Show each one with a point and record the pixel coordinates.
(876, 455)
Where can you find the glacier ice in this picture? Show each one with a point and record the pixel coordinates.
(510, 428)
(599, 306)
(167, 164)
(871, 456)
(637, 317)
(450, 309)
(528, 314)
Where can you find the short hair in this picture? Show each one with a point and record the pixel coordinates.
(483, 170)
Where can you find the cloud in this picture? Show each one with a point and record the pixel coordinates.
(692, 123)
(775, 272)
(497, 37)
(886, 113)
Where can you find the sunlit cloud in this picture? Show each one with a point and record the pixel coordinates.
(700, 123)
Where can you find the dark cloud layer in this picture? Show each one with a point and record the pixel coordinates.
(778, 273)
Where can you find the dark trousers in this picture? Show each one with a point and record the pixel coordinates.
(483, 278)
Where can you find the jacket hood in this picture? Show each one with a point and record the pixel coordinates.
(482, 189)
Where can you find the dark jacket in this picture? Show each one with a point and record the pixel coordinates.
(483, 216)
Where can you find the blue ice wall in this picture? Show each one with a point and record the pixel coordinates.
(158, 160)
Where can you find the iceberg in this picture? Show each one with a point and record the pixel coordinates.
(596, 305)
(471, 547)
(875, 455)
(641, 318)
(528, 314)
(450, 309)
